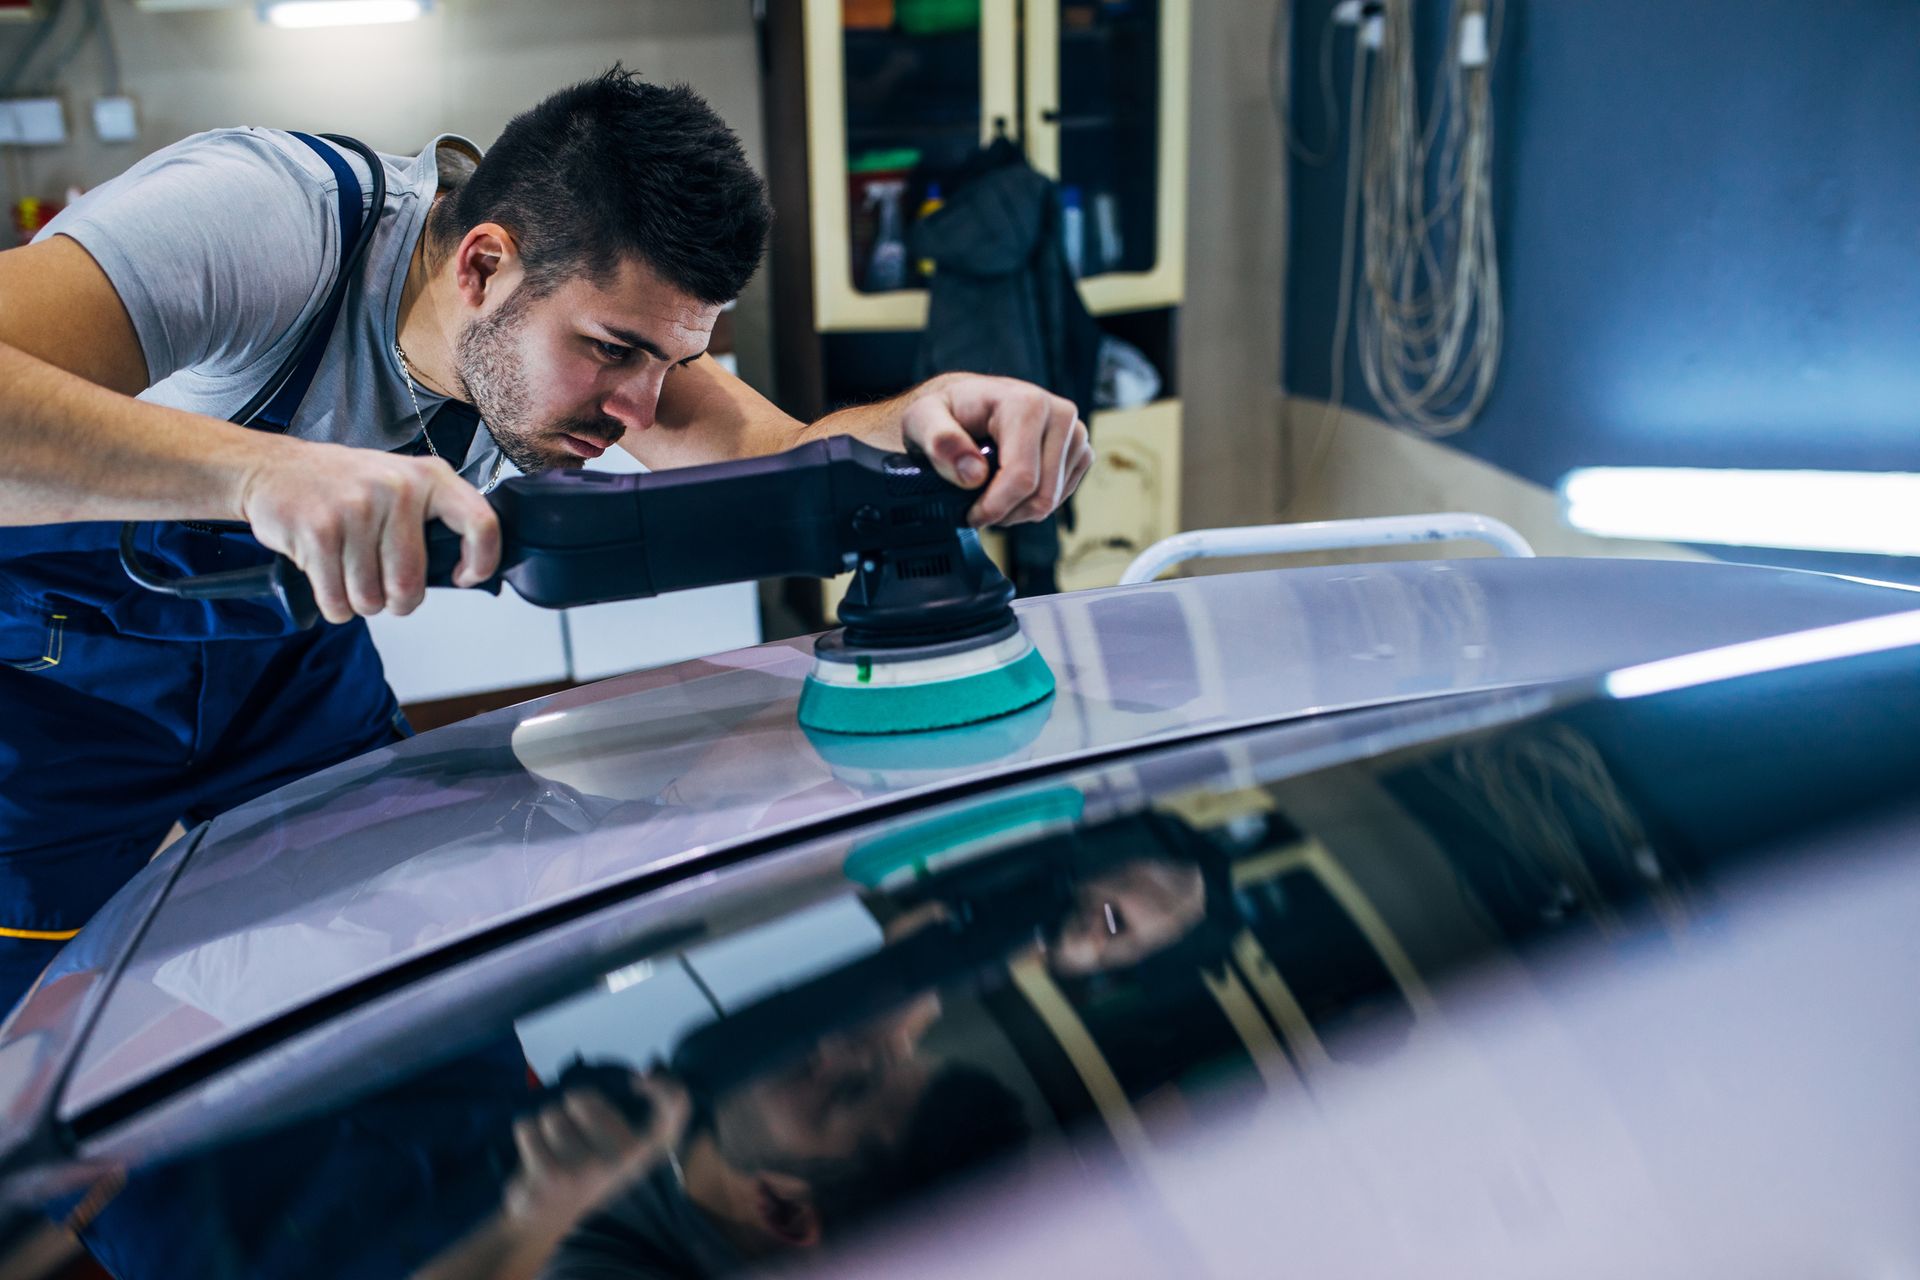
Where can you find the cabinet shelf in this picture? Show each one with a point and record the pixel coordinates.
(867, 135)
(1106, 120)
(966, 41)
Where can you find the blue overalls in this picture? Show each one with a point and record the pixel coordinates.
(123, 711)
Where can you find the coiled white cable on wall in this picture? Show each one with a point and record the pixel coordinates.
(1428, 301)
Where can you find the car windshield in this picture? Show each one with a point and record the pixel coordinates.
(1053, 982)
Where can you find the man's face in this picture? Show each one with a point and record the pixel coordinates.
(1137, 909)
(856, 1088)
(560, 377)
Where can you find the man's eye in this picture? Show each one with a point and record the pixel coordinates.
(612, 352)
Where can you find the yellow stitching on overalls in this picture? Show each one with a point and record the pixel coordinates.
(39, 935)
(111, 1184)
(56, 643)
(56, 635)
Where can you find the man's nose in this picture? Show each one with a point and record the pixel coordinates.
(633, 401)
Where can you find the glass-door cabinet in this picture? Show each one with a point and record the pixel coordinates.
(1105, 115)
(874, 107)
(899, 94)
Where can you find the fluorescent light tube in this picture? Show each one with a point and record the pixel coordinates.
(339, 13)
(1844, 640)
(1868, 512)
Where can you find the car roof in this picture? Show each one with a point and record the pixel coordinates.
(1424, 849)
(366, 866)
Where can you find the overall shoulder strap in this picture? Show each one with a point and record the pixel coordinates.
(289, 385)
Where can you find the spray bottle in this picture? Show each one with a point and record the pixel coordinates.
(887, 267)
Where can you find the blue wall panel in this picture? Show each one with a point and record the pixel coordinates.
(1709, 215)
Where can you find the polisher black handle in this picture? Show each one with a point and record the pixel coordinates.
(294, 593)
(613, 1081)
(443, 557)
(586, 537)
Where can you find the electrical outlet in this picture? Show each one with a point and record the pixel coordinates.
(115, 120)
(1474, 51)
(32, 122)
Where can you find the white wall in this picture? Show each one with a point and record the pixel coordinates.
(1230, 336)
(1253, 454)
(466, 68)
(1350, 464)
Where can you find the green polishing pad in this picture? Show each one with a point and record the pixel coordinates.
(921, 848)
(860, 703)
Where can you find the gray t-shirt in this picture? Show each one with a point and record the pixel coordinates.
(650, 1231)
(221, 246)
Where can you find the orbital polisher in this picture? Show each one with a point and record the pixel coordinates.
(929, 638)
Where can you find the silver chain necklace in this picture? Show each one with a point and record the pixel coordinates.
(406, 373)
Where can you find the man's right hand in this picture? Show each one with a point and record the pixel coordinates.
(76, 445)
(354, 522)
(581, 1150)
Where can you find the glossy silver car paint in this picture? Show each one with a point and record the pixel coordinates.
(405, 851)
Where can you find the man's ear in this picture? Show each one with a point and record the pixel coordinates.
(786, 1209)
(486, 264)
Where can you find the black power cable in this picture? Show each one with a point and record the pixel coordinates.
(277, 579)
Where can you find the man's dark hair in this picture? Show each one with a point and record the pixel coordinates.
(615, 168)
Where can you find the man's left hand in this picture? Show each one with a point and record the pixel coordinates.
(1041, 442)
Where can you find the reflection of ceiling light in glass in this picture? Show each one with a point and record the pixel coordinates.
(340, 13)
(631, 976)
(1870, 512)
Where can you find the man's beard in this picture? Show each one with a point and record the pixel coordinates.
(495, 383)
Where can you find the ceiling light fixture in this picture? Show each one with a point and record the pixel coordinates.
(1866, 512)
(340, 13)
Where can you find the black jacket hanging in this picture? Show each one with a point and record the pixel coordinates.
(1004, 302)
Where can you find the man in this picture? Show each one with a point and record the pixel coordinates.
(867, 1119)
(565, 287)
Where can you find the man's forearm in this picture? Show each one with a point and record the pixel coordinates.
(878, 424)
(708, 415)
(70, 450)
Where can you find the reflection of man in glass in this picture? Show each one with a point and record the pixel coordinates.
(1126, 914)
(790, 1159)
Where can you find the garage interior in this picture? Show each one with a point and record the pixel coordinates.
(1362, 281)
(1701, 242)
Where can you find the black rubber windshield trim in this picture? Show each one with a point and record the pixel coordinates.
(50, 1133)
